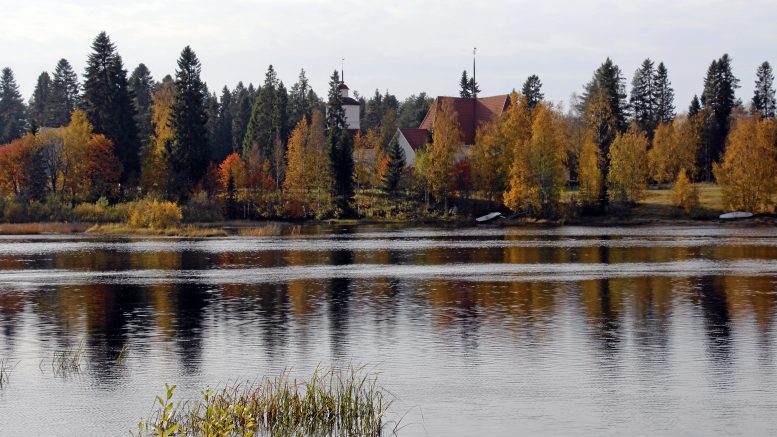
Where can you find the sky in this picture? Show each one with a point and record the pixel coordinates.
(403, 46)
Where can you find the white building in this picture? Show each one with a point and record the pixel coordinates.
(351, 107)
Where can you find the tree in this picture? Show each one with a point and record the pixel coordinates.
(465, 91)
(302, 100)
(297, 181)
(628, 171)
(602, 127)
(64, 97)
(532, 91)
(340, 149)
(719, 99)
(643, 97)
(607, 87)
(442, 152)
(590, 175)
(395, 164)
(12, 111)
(674, 150)
(242, 104)
(261, 128)
(685, 195)
(538, 169)
(763, 94)
(20, 168)
(50, 145)
(747, 173)
(695, 107)
(221, 146)
(108, 104)
(156, 174)
(664, 95)
(189, 151)
(140, 86)
(234, 168)
(413, 110)
(39, 107)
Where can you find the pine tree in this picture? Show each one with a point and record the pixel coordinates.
(108, 105)
(340, 149)
(763, 95)
(532, 91)
(242, 102)
(188, 120)
(396, 163)
(465, 90)
(140, 85)
(664, 95)
(260, 131)
(64, 93)
(643, 97)
(12, 110)
(40, 102)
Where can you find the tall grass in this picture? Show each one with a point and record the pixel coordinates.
(269, 230)
(68, 361)
(333, 402)
(42, 228)
(5, 371)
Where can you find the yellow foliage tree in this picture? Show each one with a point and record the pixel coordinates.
(75, 138)
(366, 151)
(155, 170)
(589, 175)
(674, 149)
(747, 173)
(308, 173)
(538, 170)
(628, 172)
(443, 150)
(297, 177)
(685, 195)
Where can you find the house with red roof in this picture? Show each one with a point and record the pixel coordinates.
(471, 112)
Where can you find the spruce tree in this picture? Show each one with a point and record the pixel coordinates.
(302, 100)
(260, 132)
(413, 110)
(373, 112)
(188, 119)
(465, 90)
(40, 103)
(695, 107)
(396, 163)
(108, 105)
(141, 85)
(763, 95)
(280, 111)
(643, 103)
(64, 93)
(718, 99)
(609, 81)
(212, 111)
(12, 110)
(532, 91)
(664, 95)
(222, 144)
(242, 102)
(340, 149)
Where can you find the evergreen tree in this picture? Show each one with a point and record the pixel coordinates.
(212, 110)
(664, 95)
(396, 163)
(12, 110)
(280, 113)
(260, 132)
(643, 98)
(413, 110)
(695, 107)
(188, 119)
(609, 81)
(64, 93)
(464, 85)
(40, 103)
(373, 112)
(221, 146)
(108, 105)
(532, 91)
(340, 149)
(302, 100)
(140, 85)
(718, 99)
(242, 102)
(763, 95)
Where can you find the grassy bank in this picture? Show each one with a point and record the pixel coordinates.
(42, 228)
(347, 402)
(173, 231)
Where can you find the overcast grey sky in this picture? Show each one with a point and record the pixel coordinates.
(404, 46)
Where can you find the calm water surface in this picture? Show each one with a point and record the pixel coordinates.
(503, 332)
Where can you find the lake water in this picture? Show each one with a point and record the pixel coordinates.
(478, 331)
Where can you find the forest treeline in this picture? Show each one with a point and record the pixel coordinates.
(78, 149)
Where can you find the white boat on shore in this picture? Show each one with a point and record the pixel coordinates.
(489, 217)
(736, 215)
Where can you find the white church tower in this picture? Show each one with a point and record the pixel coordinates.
(351, 107)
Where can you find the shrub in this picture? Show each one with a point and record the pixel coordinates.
(15, 212)
(685, 195)
(201, 208)
(155, 214)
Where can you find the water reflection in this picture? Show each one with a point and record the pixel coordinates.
(625, 325)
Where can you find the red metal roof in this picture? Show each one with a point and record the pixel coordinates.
(471, 113)
(416, 137)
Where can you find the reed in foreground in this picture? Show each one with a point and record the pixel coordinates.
(42, 228)
(333, 402)
(176, 231)
(68, 361)
(5, 371)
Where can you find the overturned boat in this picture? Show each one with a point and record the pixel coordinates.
(736, 215)
(489, 217)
